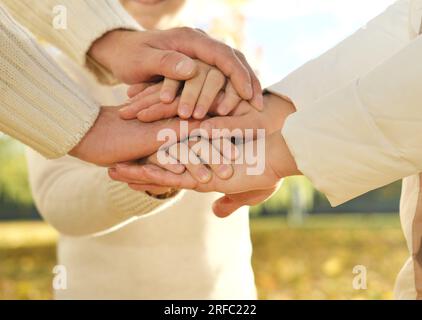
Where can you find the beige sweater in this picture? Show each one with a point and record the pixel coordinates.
(180, 251)
(39, 104)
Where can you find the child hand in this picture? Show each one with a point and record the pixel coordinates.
(200, 160)
(151, 189)
(239, 181)
(207, 92)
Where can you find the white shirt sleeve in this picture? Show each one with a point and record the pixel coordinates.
(362, 133)
(378, 40)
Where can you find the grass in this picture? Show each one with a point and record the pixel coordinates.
(313, 261)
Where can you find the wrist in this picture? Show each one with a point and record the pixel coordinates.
(105, 50)
(278, 111)
(90, 145)
(279, 157)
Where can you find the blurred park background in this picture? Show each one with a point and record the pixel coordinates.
(303, 248)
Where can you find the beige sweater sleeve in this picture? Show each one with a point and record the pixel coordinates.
(79, 199)
(73, 25)
(364, 134)
(39, 104)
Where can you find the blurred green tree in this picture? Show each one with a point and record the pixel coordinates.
(14, 185)
(295, 196)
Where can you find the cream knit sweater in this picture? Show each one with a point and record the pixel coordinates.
(39, 104)
(171, 249)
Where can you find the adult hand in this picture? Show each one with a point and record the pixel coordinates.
(241, 189)
(193, 156)
(113, 140)
(207, 93)
(135, 56)
(272, 118)
(229, 203)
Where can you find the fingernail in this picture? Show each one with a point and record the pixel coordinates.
(180, 168)
(225, 171)
(124, 109)
(204, 175)
(184, 111)
(185, 67)
(141, 115)
(222, 110)
(166, 96)
(198, 114)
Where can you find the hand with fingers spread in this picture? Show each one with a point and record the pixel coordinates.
(278, 160)
(198, 158)
(241, 189)
(209, 92)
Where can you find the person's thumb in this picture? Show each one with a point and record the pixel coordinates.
(226, 205)
(169, 64)
(229, 203)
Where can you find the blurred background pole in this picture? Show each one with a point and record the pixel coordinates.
(296, 213)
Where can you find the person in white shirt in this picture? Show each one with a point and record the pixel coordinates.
(350, 121)
(117, 243)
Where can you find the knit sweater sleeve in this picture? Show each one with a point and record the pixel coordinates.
(73, 25)
(79, 199)
(39, 104)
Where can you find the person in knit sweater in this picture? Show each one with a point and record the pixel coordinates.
(43, 108)
(116, 243)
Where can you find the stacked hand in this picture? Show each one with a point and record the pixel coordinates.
(240, 187)
(135, 57)
(198, 173)
(223, 94)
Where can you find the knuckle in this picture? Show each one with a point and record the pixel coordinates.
(229, 58)
(201, 31)
(166, 58)
(222, 48)
(186, 32)
(240, 54)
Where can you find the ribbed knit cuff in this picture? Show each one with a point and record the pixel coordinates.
(40, 105)
(95, 19)
(110, 15)
(86, 22)
(128, 203)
